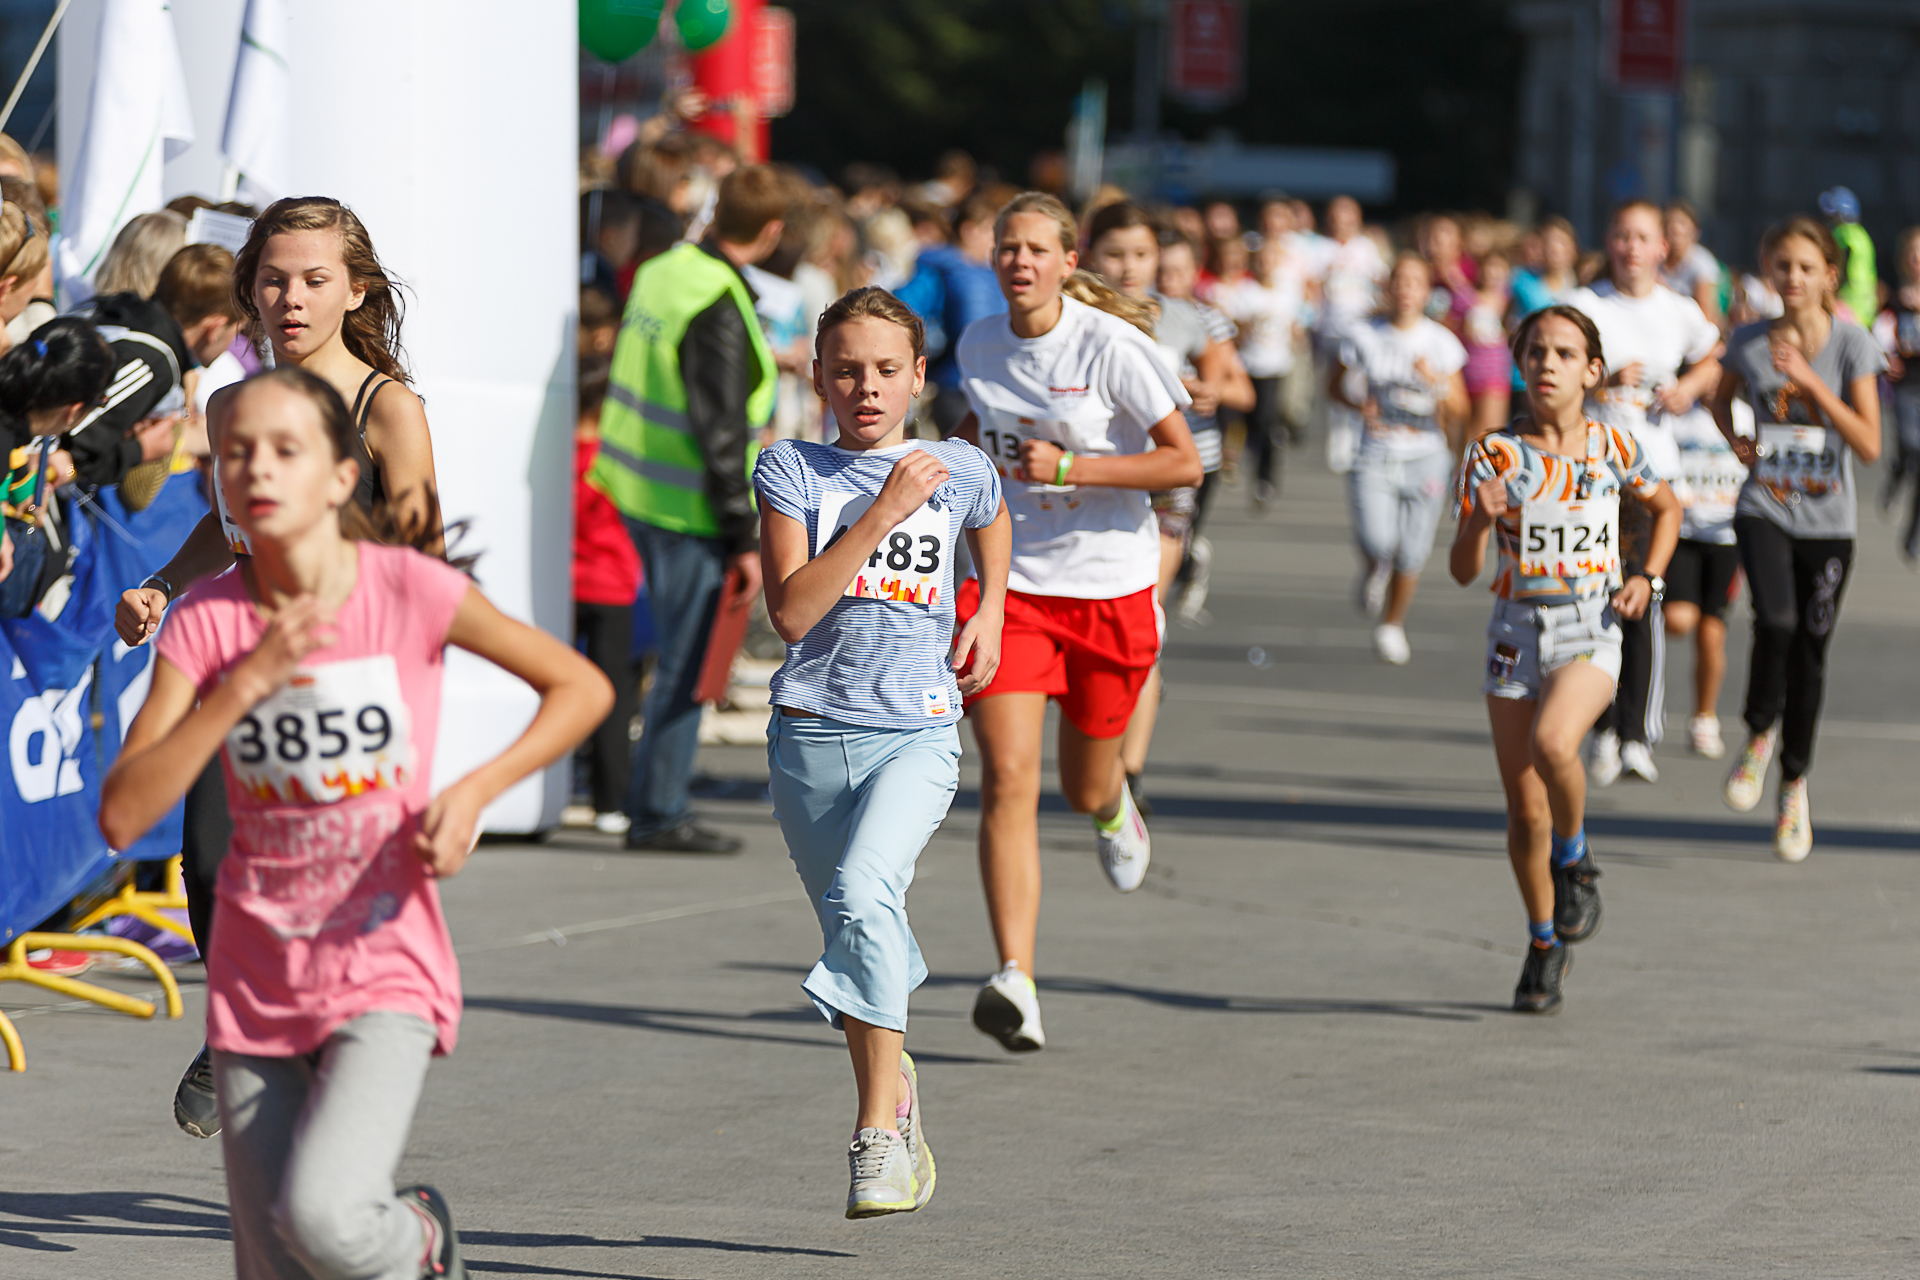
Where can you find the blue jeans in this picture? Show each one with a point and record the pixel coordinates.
(684, 575)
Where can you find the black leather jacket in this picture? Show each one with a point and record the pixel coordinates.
(718, 370)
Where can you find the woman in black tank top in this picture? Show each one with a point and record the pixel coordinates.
(309, 276)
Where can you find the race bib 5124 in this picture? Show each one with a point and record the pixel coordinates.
(1571, 540)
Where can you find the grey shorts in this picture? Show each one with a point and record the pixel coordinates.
(1527, 642)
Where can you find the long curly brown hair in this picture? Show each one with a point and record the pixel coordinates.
(370, 331)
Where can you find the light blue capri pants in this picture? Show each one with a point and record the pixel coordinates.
(857, 805)
(1396, 506)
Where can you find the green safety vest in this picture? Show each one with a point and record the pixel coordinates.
(650, 463)
(1859, 287)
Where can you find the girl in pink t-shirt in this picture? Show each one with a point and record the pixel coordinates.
(313, 667)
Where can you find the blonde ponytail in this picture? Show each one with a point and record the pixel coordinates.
(1084, 286)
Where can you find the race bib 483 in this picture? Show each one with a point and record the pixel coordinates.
(910, 565)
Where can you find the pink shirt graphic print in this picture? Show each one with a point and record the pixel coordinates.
(326, 911)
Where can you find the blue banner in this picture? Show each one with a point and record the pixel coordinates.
(64, 672)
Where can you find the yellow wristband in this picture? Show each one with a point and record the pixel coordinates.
(1060, 471)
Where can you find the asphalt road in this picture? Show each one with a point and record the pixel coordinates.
(1289, 1054)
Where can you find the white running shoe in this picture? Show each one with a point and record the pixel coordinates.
(612, 824)
(1126, 850)
(919, 1155)
(1193, 600)
(1603, 759)
(1008, 1009)
(881, 1175)
(1636, 758)
(1704, 731)
(1370, 593)
(1749, 776)
(1390, 642)
(1793, 829)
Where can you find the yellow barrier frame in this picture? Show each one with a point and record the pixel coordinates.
(16, 1055)
(16, 969)
(146, 906)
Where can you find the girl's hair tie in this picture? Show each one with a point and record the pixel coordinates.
(40, 347)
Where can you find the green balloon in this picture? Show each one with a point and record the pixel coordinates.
(702, 22)
(615, 30)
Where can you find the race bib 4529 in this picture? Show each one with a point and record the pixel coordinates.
(332, 732)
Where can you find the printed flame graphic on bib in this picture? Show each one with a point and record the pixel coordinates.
(331, 733)
(910, 564)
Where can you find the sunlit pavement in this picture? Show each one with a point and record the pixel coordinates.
(1288, 1054)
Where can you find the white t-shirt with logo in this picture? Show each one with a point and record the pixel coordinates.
(1354, 273)
(1663, 332)
(1093, 384)
(1409, 405)
(1265, 314)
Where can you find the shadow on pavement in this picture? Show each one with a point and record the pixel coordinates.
(1440, 1010)
(535, 1269)
(541, 1240)
(1307, 813)
(675, 1021)
(134, 1213)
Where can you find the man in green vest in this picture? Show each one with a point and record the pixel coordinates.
(691, 387)
(1860, 282)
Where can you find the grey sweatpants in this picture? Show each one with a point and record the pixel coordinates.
(311, 1145)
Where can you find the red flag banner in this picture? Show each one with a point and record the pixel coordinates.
(1646, 43)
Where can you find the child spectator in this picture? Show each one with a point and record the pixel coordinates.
(606, 579)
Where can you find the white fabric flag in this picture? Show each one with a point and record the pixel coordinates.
(138, 118)
(256, 141)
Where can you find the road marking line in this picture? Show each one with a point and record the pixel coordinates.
(558, 936)
(1302, 700)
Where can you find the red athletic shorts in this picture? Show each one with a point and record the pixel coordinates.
(1091, 656)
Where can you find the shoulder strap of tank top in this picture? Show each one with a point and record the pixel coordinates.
(363, 401)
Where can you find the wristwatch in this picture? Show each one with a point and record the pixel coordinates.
(1658, 583)
(155, 580)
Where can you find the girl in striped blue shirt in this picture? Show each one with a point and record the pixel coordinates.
(863, 751)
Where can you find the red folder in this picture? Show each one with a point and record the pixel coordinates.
(723, 642)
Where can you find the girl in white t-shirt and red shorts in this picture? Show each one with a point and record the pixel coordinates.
(1082, 420)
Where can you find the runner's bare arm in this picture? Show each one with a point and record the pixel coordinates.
(968, 430)
(979, 640)
(402, 447)
(1859, 422)
(1631, 600)
(1174, 464)
(205, 552)
(1721, 406)
(1221, 369)
(801, 587)
(1468, 555)
(171, 740)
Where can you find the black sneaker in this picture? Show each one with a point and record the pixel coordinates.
(688, 837)
(1541, 978)
(1576, 902)
(1140, 801)
(446, 1260)
(195, 1107)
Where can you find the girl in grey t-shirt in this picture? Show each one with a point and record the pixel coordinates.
(1811, 380)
